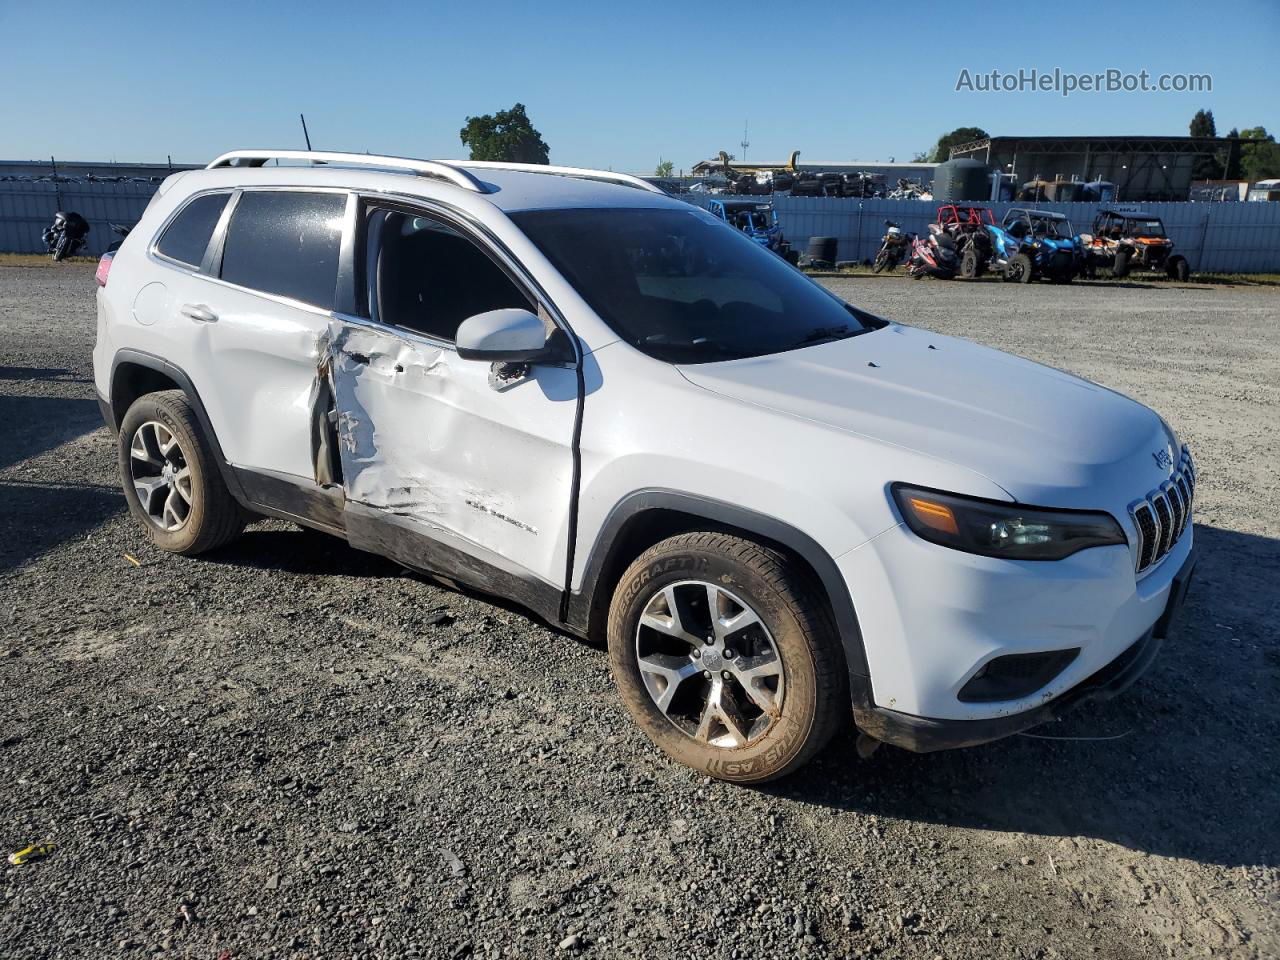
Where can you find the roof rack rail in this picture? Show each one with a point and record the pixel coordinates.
(582, 173)
(423, 168)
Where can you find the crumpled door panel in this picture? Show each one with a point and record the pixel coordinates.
(423, 437)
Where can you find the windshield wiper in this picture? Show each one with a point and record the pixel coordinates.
(821, 335)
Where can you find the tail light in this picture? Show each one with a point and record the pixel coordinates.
(104, 268)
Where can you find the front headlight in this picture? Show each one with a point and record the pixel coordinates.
(1008, 530)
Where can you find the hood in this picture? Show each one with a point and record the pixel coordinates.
(1044, 436)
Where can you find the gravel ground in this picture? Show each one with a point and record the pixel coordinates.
(292, 749)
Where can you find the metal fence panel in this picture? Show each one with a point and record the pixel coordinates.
(27, 207)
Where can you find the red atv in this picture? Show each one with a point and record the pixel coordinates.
(967, 227)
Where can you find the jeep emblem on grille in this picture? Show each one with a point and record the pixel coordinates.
(1163, 460)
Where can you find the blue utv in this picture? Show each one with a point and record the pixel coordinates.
(1031, 244)
(758, 220)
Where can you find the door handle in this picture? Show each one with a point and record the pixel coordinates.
(198, 312)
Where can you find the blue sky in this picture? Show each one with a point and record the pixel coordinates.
(607, 85)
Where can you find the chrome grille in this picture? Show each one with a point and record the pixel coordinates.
(1163, 515)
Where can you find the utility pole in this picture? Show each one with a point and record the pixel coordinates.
(57, 191)
(744, 142)
(306, 136)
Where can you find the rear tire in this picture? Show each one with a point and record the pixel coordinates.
(165, 458)
(969, 263)
(745, 703)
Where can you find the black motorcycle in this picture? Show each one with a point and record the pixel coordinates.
(66, 235)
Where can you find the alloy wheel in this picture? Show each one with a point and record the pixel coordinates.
(161, 476)
(709, 664)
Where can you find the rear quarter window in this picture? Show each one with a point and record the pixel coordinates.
(187, 235)
(286, 243)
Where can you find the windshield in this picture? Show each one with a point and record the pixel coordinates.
(1148, 228)
(678, 286)
(1051, 227)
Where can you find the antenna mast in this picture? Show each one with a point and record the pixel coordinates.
(745, 142)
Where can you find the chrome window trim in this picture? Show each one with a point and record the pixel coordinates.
(413, 336)
(219, 234)
(153, 249)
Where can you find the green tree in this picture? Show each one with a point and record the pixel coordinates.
(1207, 167)
(506, 135)
(942, 149)
(1202, 124)
(665, 168)
(1259, 154)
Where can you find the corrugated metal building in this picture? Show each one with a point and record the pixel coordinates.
(1143, 168)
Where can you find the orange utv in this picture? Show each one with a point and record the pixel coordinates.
(1125, 241)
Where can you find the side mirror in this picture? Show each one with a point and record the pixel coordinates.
(510, 336)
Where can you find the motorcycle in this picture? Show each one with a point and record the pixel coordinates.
(66, 235)
(934, 256)
(893, 248)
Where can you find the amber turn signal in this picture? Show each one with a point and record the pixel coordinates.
(935, 515)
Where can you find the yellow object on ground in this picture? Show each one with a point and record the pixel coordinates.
(32, 852)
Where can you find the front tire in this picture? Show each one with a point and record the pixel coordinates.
(171, 479)
(1178, 269)
(727, 658)
(1020, 269)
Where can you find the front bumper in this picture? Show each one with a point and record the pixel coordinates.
(924, 734)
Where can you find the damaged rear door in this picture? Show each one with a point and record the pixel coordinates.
(446, 465)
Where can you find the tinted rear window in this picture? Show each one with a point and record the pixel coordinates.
(187, 236)
(286, 243)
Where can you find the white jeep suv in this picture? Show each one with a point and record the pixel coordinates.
(566, 388)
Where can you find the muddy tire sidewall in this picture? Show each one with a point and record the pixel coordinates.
(775, 752)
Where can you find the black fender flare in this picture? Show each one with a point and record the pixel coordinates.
(179, 376)
(759, 525)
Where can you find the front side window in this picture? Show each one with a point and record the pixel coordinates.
(286, 243)
(680, 287)
(1051, 227)
(425, 276)
(187, 236)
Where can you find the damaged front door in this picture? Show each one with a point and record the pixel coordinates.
(444, 468)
